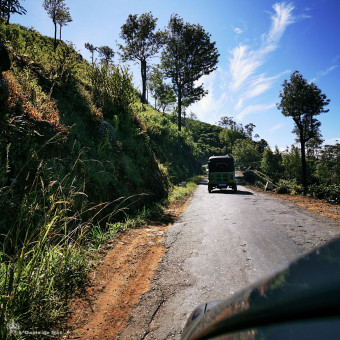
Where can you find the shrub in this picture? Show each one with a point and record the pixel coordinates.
(291, 186)
(329, 193)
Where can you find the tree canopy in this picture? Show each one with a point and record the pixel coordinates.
(63, 17)
(142, 42)
(188, 55)
(92, 49)
(106, 54)
(10, 6)
(54, 9)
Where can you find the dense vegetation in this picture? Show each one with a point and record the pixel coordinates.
(79, 155)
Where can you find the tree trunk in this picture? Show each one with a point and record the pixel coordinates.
(8, 12)
(303, 161)
(8, 15)
(55, 36)
(179, 109)
(143, 73)
(60, 33)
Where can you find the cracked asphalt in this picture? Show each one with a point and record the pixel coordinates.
(222, 243)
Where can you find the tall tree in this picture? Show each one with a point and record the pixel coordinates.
(53, 7)
(142, 42)
(226, 122)
(106, 54)
(250, 128)
(303, 101)
(188, 55)
(92, 49)
(63, 17)
(7, 7)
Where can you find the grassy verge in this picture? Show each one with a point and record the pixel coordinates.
(48, 252)
(181, 192)
(178, 194)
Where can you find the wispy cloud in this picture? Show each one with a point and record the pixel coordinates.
(242, 80)
(245, 61)
(243, 64)
(259, 84)
(323, 73)
(210, 106)
(276, 127)
(280, 20)
(237, 29)
(250, 109)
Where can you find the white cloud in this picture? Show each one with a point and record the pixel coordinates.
(332, 141)
(276, 127)
(254, 109)
(243, 64)
(324, 73)
(242, 83)
(245, 61)
(280, 20)
(238, 30)
(209, 108)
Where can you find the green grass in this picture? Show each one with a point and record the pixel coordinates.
(181, 192)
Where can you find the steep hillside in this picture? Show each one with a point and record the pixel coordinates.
(73, 119)
(78, 152)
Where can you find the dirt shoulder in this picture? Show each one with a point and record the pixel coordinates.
(124, 274)
(317, 206)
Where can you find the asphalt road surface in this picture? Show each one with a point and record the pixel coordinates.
(222, 243)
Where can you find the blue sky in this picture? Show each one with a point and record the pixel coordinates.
(260, 44)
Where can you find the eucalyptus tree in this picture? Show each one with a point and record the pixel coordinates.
(226, 122)
(106, 54)
(7, 7)
(189, 54)
(63, 17)
(250, 128)
(303, 101)
(53, 7)
(142, 42)
(92, 49)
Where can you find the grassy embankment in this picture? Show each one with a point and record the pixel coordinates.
(81, 160)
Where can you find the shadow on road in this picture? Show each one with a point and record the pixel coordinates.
(231, 192)
(226, 191)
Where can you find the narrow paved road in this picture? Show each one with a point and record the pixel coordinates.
(222, 243)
